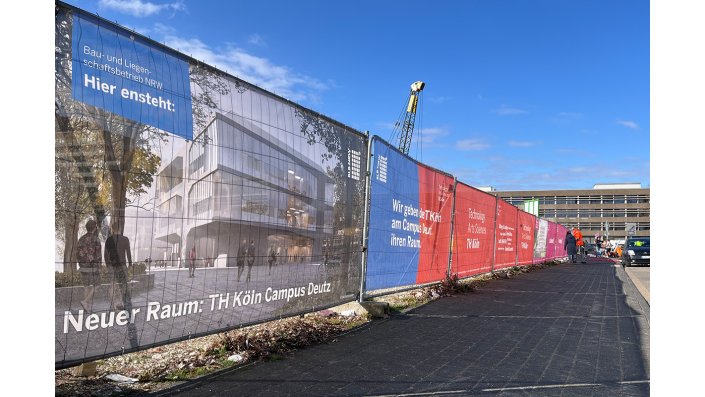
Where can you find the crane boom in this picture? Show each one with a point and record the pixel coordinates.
(407, 125)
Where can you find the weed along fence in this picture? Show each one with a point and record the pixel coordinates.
(217, 204)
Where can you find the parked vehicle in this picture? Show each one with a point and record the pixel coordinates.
(636, 251)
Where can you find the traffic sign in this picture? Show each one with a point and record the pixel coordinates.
(631, 228)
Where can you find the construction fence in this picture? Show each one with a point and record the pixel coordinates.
(190, 202)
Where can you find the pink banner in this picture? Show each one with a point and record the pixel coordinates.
(560, 238)
(473, 231)
(551, 243)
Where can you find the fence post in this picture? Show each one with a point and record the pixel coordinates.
(516, 240)
(366, 218)
(494, 232)
(452, 228)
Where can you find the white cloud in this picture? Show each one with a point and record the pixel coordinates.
(440, 99)
(139, 8)
(521, 144)
(428, 135)
(505, 110)
(253, 69)
(569, 115)
(471, 144)
(628, 124)
(257, 40)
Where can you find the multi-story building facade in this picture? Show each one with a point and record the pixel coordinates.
(238, 183)
(606, 209)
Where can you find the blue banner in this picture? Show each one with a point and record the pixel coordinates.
(125, 75)
(393, 256)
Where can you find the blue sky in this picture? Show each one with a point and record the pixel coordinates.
(542, 94)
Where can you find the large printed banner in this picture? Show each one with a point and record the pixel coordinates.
(527, 224)
(473, 231)
(123, 74)
(561, 232)
(551, 241)
(541, 245)
(256, 216)
(506, 235)
(410, 218)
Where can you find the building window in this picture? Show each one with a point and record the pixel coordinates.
(354, 164)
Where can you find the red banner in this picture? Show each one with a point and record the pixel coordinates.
(525, 247)
(435, 212)
(506, 235)
(473, 231)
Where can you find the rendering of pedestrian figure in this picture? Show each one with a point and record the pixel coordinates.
(272, 258)
(241, 253)
(192, 262)
(89, 261)
(250, 258)
(570, 247)
(117, 257)
(325, 255)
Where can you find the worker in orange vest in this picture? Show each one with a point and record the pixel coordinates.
(580, 243)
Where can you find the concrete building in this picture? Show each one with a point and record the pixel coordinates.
(237, 183)
(606, 209)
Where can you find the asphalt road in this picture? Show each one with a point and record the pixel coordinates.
(567, 330)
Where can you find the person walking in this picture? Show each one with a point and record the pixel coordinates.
(192, 262)
(570, 247)
(117, 256)
(598, 245)
(250, 258)
(580, 243)
(241, 253)
(89, 260)
(272, 258)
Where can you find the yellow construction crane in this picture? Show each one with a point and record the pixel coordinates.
(406, 123)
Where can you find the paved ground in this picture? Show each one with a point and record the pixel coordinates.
(568, 330)
(641, 277)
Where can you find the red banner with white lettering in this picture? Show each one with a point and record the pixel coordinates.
(436, 211)
(506, 235)
(473, 231)
(525, 247)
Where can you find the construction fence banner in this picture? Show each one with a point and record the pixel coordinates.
(551, 252)
(541, 245)
(506, 235)
(561, 232)
(410, 219)
(473, 231)
(525, 246)
(189, 202)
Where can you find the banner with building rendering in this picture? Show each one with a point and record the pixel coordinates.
(410, 217)
(189, 202)
(541, 243)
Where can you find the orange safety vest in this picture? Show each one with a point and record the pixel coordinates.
(578, 237)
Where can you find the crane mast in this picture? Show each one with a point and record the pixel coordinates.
(407, 124)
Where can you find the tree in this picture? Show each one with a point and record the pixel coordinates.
(348, 208)
(112, 159)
